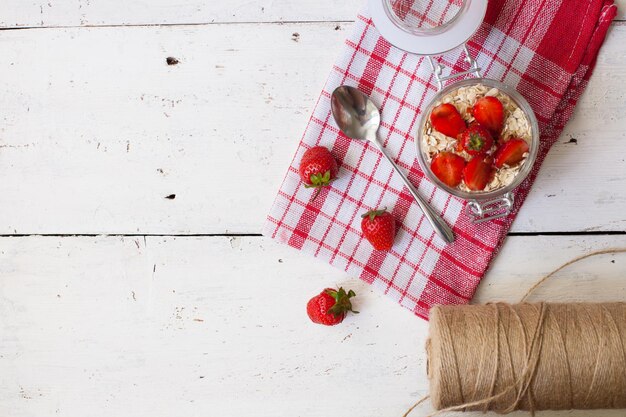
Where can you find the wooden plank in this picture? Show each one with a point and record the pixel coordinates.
(97, 130)
(38, 13)
(217, 326)
(16, 13)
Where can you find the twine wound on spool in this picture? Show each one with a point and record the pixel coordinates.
(504, 357)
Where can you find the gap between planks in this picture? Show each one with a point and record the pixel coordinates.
(524, 234)
(132, 25)
(616, 22)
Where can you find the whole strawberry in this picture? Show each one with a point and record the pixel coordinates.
(330, 306)
(476, 140)
(379, 228)
(317, 168)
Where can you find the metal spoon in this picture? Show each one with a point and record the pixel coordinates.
(359, 118)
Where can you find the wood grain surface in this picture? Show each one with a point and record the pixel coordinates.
(98, 113)
(133, 280)
(216, 326)
(46, 13)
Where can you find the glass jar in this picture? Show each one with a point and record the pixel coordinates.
(483, 205)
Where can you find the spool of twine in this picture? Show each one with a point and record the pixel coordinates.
(502, 357)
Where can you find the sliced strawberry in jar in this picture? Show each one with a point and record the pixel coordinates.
(489, 112)
(448, 167)
(511, 152)
(476, 139)
(446, 119)
(478, 172)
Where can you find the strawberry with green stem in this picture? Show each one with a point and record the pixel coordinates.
(330, 306)
(476, 140)
(318, 168)
(379, 228)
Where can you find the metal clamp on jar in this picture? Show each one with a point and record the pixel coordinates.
(432, 28)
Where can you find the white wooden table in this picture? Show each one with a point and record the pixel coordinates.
(118, 301)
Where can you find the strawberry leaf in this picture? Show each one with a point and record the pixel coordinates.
(318, 181)
(476, 142)
(372, 214)
(342, 302)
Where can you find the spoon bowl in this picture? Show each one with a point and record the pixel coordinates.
(356, 115)
(358, 118)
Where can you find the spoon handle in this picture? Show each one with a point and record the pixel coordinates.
(438, 224)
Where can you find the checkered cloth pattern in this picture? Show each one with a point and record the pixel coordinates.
(546, 49)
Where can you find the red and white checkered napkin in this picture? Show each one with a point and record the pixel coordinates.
(545, 49)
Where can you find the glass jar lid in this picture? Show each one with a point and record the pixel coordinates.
(427, 27)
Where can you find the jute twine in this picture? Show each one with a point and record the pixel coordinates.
(502, 357)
